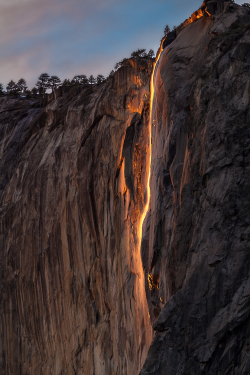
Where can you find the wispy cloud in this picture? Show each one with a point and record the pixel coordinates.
(80, 36)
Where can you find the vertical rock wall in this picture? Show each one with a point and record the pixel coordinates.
(73, 179)
(197, 233)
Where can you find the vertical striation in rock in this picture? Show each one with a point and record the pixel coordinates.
(196, 239)
(73, 182)
(73, 192)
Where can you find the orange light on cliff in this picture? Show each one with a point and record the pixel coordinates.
(150, 143)
(195, 16)
(153, 281)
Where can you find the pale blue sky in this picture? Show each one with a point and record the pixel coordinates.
(69, 37)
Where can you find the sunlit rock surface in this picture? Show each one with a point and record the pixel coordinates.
(72, 192)
(196, 242)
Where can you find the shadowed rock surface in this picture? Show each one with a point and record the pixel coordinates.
(197, 234)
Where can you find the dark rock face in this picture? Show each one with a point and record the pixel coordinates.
(72, 178)
(215, 7)
(57, 93)
(169, 38)
(198, 228)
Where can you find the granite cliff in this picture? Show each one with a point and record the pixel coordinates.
(72, 177)
(82, 283)
(197, 235)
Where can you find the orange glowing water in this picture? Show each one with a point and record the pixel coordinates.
(141, 292)
(152, 91)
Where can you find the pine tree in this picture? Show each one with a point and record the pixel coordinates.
(80, 79)
(117, 66)
(22, 85)
(100, 78)
(43, 83)
(92, 80)
(11, 87)
(1, 88)
(120, 63)
(66, 82)
(40, 90)
(83, 79)
(28, 94)
(76, 79)
(139, 53)
(151, 53)
(167, 30)
(34, 91)
(54, 82)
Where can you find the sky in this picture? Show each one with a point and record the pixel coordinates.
(70, 37)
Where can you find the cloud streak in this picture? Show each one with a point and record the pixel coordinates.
(80, 37)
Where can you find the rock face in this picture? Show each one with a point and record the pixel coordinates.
(72, 196)
(77, 294)
(197, 235)
(169, 39)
